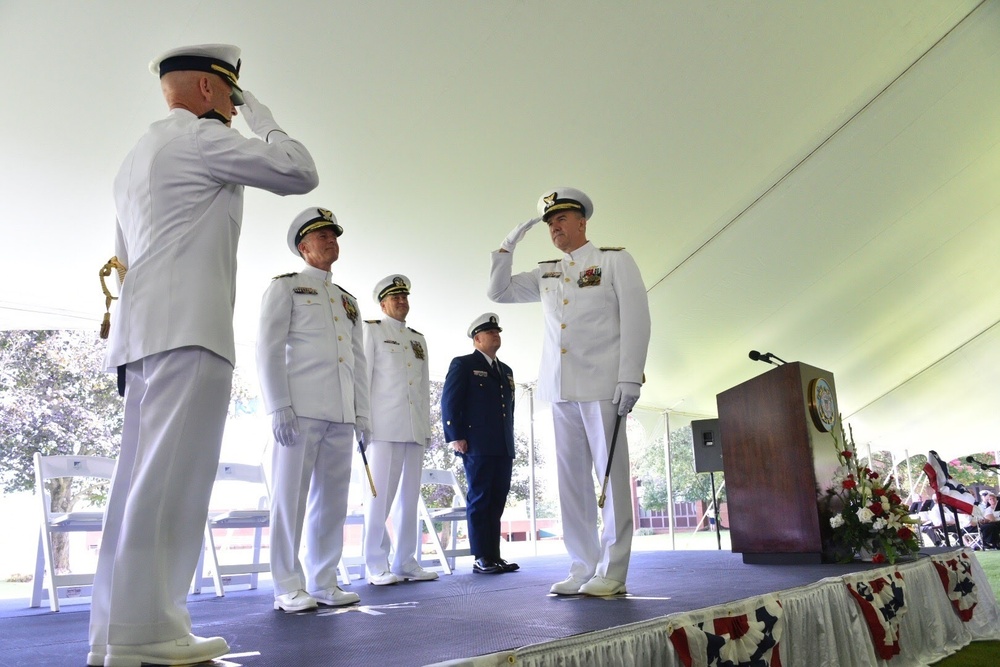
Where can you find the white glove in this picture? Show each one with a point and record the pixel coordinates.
(285, 426)
(626, 395)
(363, 431)
(515, 236)
(258, 116)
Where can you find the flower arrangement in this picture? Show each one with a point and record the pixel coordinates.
(867, 517)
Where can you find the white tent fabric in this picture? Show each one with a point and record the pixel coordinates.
(816, 180)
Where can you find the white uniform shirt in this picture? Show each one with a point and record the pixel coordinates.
(179, 200)
(596, 320)
(310, 349)
(399, 381)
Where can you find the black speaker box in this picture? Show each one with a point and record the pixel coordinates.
(707, 445)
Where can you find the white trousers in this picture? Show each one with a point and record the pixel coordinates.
(583, 438)
(175, 412)
(396, 469)
(310, 480)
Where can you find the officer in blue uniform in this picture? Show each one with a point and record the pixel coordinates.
(477, 407)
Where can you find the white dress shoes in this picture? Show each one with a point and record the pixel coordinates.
(601, 587)
(334, 597)
(568, 586)
(96, 656)
(383, 579)
(295, 601)
(187, 650)
(417, 574)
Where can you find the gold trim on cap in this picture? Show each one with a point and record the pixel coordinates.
(564, 205)
(232, 76)
(317, 224)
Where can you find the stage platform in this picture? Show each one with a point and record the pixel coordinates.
(510, 619)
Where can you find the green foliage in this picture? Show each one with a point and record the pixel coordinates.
(54, 399)
(649, 465)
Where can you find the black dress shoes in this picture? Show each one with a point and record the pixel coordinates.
(507, 567)
(486, 566)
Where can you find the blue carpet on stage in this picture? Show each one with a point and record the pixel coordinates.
(420, 623)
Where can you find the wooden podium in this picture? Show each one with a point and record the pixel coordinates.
(777, 461)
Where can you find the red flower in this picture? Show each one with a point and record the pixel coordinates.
(872, 475)
(878, 558)
(878, 492)
(876, 509)
(895, 499)
(905, 533)
(849, 483)
(847, 453)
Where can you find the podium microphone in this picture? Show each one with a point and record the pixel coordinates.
(766, 357)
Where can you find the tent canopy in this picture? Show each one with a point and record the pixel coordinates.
(816, 180)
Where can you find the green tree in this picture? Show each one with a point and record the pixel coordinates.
(54, 399)
(649, 465)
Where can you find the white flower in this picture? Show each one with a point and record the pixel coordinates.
(836, 521)
(865, 515)
(878, 524)
(840, 474)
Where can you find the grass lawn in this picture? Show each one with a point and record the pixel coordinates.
(990, 562)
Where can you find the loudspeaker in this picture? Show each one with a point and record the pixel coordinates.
(707, 445)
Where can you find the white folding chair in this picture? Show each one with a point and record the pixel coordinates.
(236, 485)
(49, 470)
(428, 516)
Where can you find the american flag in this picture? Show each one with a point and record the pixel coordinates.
(732, 640)
(883, 604)
(950, 492)
(955, 573)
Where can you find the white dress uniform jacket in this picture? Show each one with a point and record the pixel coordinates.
(310, 349)
(399, 380)
(596, 319)
(179, 198)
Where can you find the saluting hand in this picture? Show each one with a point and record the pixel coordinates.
(258, 117)
(517, 234)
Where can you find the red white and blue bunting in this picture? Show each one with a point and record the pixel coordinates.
(883, 604)
(955, 571)
(740, 635)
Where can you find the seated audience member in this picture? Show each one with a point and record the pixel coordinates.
(989, 525)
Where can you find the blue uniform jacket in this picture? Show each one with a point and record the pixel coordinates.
(477, 406)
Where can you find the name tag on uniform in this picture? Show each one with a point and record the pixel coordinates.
(552, 274)
(481, 374)
(304, 290)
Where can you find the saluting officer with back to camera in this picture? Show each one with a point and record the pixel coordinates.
(401, 429)
(179, 204)
(313, 375)
(593, 352)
